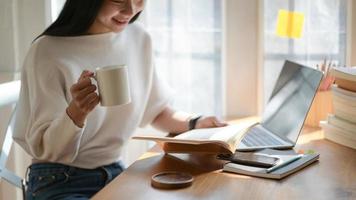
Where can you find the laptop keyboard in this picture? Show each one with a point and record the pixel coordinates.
(256, 137)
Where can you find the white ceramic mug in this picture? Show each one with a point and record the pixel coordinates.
(113, 85)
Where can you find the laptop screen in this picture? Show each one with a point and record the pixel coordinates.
(290, 100)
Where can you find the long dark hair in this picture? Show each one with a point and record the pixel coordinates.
(76, 18)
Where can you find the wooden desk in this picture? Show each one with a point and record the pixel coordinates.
(333, 177)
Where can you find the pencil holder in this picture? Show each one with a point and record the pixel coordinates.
(321, 107)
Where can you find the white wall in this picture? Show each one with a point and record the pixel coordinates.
(20, 22)
(240, 57)
(7, 42)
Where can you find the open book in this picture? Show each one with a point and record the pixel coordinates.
(210, 140)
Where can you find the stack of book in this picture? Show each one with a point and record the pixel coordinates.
(341, 127)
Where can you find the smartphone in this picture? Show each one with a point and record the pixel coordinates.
(251, 159)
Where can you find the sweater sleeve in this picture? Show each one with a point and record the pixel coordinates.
(159, 97)
(49, 133)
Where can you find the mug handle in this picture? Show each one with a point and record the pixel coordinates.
(95, 82)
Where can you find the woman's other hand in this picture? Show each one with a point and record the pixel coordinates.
(84, 98)
(209, 122)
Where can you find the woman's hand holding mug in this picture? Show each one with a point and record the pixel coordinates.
(84, 98)
(113, 88)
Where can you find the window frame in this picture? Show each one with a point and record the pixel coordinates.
(214, 57)
(350, 52)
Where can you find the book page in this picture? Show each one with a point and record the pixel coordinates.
(221, 134)
(225, 136)
(230, 134)
(200, 134)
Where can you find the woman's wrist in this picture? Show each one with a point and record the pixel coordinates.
(192, 123)
(76, 115)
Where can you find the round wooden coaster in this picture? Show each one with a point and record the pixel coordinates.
(171, 180)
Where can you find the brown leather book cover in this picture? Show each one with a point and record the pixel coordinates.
(207, 148)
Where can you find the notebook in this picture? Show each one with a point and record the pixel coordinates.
(279, 173)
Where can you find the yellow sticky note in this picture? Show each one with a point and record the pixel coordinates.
(290, 24)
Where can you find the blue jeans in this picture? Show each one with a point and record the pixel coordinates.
(57, 181)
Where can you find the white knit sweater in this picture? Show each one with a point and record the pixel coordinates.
(53, 65)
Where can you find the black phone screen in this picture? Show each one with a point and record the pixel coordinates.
(251, 159)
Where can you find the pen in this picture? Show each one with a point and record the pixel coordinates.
(284, 163)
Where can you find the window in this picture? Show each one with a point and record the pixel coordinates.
(324, 36)
(56, 7)
(187, 43)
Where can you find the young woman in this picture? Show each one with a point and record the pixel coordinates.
(75, 143)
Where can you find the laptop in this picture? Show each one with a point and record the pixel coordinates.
(286, 110)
